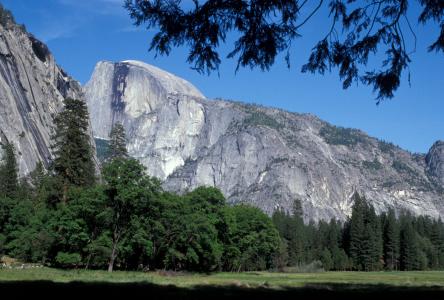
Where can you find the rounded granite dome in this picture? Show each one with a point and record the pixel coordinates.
(170, 82)
(130, 89)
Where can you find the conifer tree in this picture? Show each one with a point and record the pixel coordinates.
(296, 234)
(326, 259)
(357, 229)
(8, 172)
(375, 237)
(409, 256)
(117, 143)
(391, 241)
(437, 240)
(37, 175)
(73, 161)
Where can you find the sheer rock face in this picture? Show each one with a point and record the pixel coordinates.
(32, 89)
(263, 156)
(435, 161)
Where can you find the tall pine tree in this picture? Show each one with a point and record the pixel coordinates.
(409, 254)
(73, 161)
(357, 228)
(365, 236)
(8, 172)
(117, 143)
(437, 240)
(375, 237)
(391, 241)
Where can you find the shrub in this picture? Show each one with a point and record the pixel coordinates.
(68, 260)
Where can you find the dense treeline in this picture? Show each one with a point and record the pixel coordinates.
(365, 242)
(73, 216)
(69, 217)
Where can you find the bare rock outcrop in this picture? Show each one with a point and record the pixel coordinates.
(263, 156)
(32, 89)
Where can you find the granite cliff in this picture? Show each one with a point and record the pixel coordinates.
(32, 89)
(264, 156)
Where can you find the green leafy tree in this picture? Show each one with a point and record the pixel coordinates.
(73, 161)
(31, 232)
(256, 238)
(195, 230)
(82, 227)
(129, 192)
(68, 259)
(193, 242)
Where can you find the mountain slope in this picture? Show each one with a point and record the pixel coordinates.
(32, 89)
(264, 156)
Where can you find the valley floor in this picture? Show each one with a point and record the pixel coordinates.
(251, 285)
(244, 279)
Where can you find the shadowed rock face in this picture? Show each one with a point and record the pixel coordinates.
(32, 89)
(263, 156)
(435, 161)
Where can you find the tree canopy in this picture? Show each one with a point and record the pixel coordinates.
(356, 30)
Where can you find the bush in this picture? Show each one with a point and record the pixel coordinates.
(68, 260)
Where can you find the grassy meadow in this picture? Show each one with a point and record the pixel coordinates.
(37, 282)
(246, 279)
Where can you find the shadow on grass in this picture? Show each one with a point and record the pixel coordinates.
(79, 290)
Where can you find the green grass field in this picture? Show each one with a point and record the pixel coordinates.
(248, 279)
(250, 285)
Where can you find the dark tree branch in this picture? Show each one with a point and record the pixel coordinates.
(310, 15)
(266, 28)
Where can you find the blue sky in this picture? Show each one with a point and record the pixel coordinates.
(82, 32)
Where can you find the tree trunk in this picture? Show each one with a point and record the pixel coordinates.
(87, 261)
(116, 237)
(112, 258)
